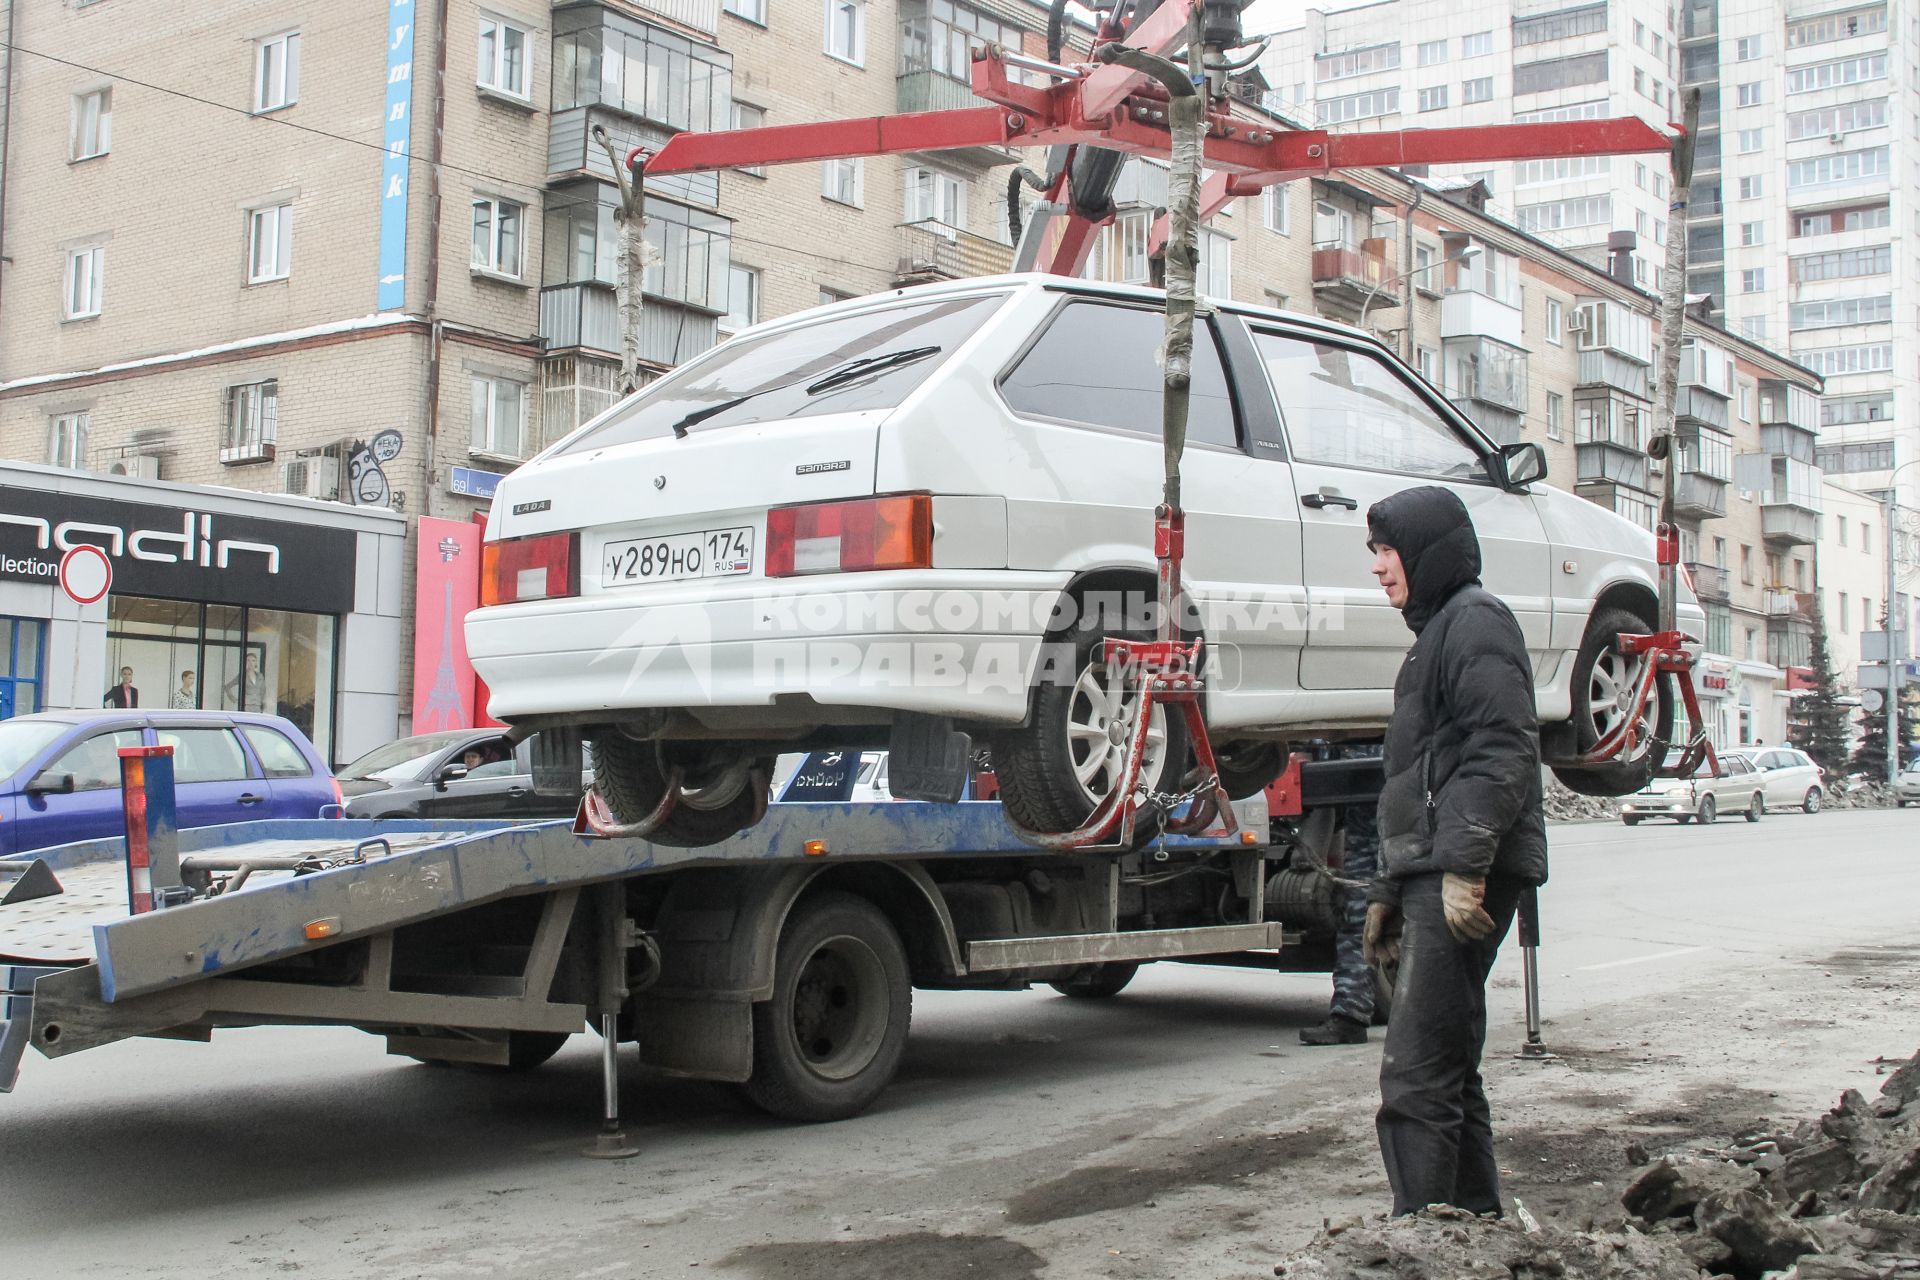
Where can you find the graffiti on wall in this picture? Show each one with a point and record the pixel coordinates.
(366, 473)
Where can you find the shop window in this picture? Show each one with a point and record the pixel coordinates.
(24, 640)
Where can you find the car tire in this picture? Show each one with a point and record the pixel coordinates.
(1631, 819)
(631, 777)
(832, 1035)
(1709, 810)
(1054, 770)
(1097, 982)
(1811, 804)
(1599, 671)
(1756, 807)
(1247, 768)
(1682, 819)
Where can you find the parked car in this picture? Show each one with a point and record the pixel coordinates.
(1906, 786)
(939, 500)
(1738, 788)
(60, 772)
(460, 773)
(1792, 780)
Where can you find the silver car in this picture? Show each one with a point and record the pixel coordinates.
(1906, 787)
(1740, 788)
(1792, 780)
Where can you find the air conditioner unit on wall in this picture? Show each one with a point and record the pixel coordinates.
(139, 466)
(312, 477)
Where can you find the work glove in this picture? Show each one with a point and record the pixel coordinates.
(1461, 898)
(1380, 939)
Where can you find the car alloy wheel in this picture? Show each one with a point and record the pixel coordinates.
(1100, 724)
(1606, 682)
(1756, 807)
(1709, 810)
(1812, 803)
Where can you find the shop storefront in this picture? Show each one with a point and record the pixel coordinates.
(221, 600)
(1713, 680)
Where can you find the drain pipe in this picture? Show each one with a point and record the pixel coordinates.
(1406, 272)
(436, 340)
(6, 136)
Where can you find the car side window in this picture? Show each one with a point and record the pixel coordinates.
(1349, 408)
(1099, 363)
(95, 762)
(205, 755)
(500, 765)
(278, 756)
(1737, 766)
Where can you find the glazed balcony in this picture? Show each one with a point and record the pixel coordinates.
(1349, 278)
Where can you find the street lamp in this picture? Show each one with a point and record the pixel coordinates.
(1896, 625)
(1467, 254)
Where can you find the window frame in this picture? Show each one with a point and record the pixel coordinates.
(502, 24)
(78, 425)
(1466, 98)
(1556, 322)
(491, 266)
(281, 215)
(102, 124)
(856, 56)
(755, 293)
(95, 256)
(256, 443)
(288, 42)
(484, 441)
(859, 171)
(1276, 197)
(753, 11)
(739, 121)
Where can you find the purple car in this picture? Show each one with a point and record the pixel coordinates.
(60, 771)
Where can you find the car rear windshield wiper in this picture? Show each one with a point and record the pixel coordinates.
(837, 377)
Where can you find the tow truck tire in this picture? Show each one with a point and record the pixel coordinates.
(1756, 807)
(1097, 982)
(831, 1037)
(1599, 669)
(1709, 809)
(1039, 764)
(1247, 767)
(630, 777)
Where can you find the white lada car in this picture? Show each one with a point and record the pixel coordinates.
(934, 502)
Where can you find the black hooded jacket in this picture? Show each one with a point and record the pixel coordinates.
(1462, 756)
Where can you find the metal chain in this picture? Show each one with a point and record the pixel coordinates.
(1168, 801)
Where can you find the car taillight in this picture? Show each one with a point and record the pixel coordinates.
(846, 537)
(542, 568)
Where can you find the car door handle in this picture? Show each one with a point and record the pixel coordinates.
(516, 791)
(1320, 500)
(247, 797)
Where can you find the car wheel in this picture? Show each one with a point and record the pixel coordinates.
(717, 798)
(1248, 768)
(1682, 819)
(1097, 982)
(1604, 680)
(1056, 769)
(1812, 803)
(831, 1037)
(1756, 807)
(1709, 810)
(1631, 819)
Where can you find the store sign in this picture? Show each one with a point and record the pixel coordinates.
(472, 483)
(446, 589)
(1713, 677)
(180, 552)
(392, 295)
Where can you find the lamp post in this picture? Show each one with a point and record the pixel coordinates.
(1467, 254)
(1896, 625)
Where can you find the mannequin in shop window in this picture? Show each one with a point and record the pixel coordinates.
(248, 690)
(123, 695)
(186, 697)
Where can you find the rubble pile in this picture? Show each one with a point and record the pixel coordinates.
(1836, 1198)
(1563, 805)
(1859, 794)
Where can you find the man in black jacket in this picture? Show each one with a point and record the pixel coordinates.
(1462, 834)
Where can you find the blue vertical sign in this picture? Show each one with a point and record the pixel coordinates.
(393, 170)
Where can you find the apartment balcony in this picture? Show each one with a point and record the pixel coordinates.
(1706, 368)
(1502, 426)
(1784, 441)
(1467, 313)
(585, 316)
(1607, 369)
(1709, 583)
(921, 89)
(1789, 524)
(1789, 606)
(701, 15)
(1783, 404)
(1486, 371)
(1698, 496)
(930, 251)
(1608, 462)
(1347, 278)
(572, 153)
(1701, 408)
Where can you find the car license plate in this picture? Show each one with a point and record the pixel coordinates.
(711, 553)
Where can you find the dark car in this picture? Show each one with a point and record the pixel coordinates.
(459, 773)
(60, 771)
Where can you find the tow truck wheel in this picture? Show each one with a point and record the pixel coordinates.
(1604, 681)
(1097, 982)
(831, 1037)
(1756, 807)
(1709, 810)
(1247, 768)
(717, 799)
(1057, 768)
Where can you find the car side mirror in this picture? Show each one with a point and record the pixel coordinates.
(1521, 464)
(47, 782)
(449, 773)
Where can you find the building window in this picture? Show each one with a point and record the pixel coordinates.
(1558, 215)
(1876, 406)
(499, 417)
(1752, 140)
(1753, 234)
(1868, 357)
(1556, 416)
(1753, 280)
(1360, 106)
(1866, 610)
(253, 422)
(1477, 44)
(1556, 322)
(496, 236)
(1841, 525)
(1130, 232)
(1828, 222)
(847, 30)
(830, 296)
(1752, 188)
(841, 181)
(754, 11)
(1432, 53)
(1214, 276)
(748, 116)
(934, 196)
(504, 65)
(1747, 48)
(1754, 328)
(1427, 361)
(1561, 24)
(67, 440)
(1835, 312)
(1277, 215)
(1753, 93)
(269, 243)
(743, 299)
(1846, 166)
(1434, 99)
(1866, 537)
(1558, 73)
(276, 72)
(1843, 119)
(1355, 62)
(84, 270)
(645, 71)
(92, 126)
(1480, 90)
(1746, 403)
(1832, 75)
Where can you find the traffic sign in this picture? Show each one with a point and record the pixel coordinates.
(86, 575)
(1871, 701)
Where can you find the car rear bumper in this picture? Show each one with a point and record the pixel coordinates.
(960, 643)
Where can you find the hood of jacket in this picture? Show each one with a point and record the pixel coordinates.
(1439, 551)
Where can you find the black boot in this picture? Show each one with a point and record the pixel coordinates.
(1335, 1030)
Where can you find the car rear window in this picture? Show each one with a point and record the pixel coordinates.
(780, 375)
(205, 755)
(278, 755)
(1099, 363)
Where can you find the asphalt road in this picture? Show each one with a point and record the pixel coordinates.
(1694, 978)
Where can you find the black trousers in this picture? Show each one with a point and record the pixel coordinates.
(1436, 1133)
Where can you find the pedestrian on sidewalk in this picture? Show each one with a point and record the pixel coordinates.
(1462, 834)
(1351, 1012)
